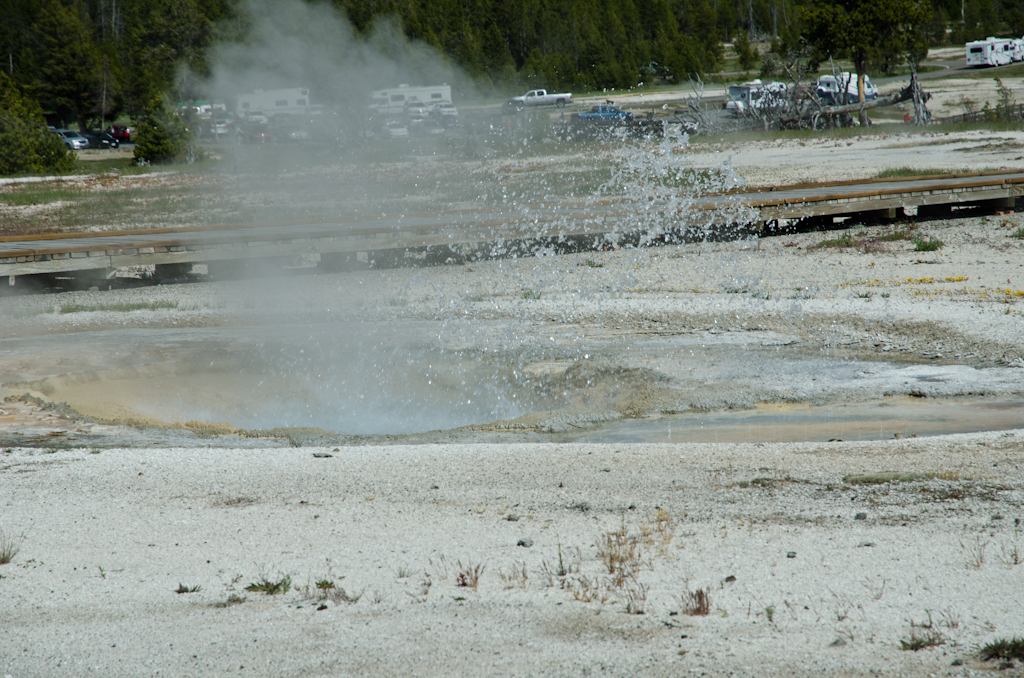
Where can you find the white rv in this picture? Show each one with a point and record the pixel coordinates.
(272, 102)
(394, 101)
(990, 52)
(755, 95)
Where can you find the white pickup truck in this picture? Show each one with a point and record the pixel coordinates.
(539, 97)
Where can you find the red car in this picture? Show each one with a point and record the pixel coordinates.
(122, 133)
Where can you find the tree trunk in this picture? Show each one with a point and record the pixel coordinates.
(862, 66)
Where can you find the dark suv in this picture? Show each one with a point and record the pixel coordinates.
(98, 139)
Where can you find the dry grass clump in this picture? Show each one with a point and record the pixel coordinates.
(469, 574)
(10, 545)
(697, 603)
(568, 563)
(636, 599)
(515, 578)
(620, 552)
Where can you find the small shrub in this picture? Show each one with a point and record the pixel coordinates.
(1019, 234)
(188, 589)
(927, 244)
(271, 588)
(698, 603)
(529, 294)
(469, 575)
(9, 546)
(161, 135)
(1004, 649)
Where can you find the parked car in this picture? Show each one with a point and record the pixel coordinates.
(220, 127)
(257, 134)
(396, 130)
(604, 112)
(100, 139)
(284, 129)
(122, 133)
(414, 111)
(445, 112)
(73, 140)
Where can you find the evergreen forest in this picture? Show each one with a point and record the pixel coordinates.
(90, 60)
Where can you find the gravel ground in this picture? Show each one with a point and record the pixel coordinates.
(465, 384)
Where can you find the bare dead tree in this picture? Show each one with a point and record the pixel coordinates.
(696, 118)
(922, 116)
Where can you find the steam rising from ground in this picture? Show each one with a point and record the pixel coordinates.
(297, 44)
(497, 169)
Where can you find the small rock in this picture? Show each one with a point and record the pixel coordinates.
(861, 516)
(957, 662)
(864, 544)
(838, 642)
(998, 516)
(525, 541)
(322, 455)
(434, 487)
(512, 517)
(791, 554)
(730, 579)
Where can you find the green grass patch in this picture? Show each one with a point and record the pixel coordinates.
(1004, 649)
(270, 587)
(845, 240)
(928, 244)
(887, 477)
(920, 640)
(1014, 71)
(124, 307)
(1018, 234)
(899, 172)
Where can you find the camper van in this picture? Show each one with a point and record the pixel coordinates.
(990, 52)
(844, 88)
(755, 96)
(394, 101)
(273, 102)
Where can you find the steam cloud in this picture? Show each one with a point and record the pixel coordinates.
(296, 44)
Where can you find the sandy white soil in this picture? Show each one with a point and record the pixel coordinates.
(816, 558)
